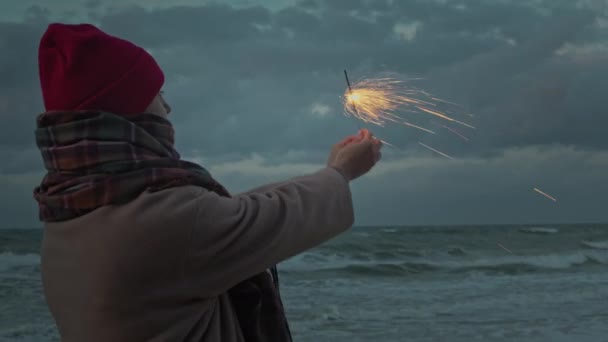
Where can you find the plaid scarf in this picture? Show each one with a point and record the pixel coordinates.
(95, 159)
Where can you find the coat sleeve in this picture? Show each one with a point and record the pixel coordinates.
(235, 238)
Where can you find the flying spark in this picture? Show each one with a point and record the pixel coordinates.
(503, 247)
(436, 151)
(444, 101)
(443, 116)
(377, 101)
(455, 132)
(545, 194)
(387, 143)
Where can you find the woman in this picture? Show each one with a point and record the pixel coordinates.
(140, 245)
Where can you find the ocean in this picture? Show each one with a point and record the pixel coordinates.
(483, 283)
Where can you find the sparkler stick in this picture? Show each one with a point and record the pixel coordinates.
(350, 89)
(350, 92)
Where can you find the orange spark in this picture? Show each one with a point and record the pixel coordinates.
(443, 116)
(418, 127)
(377, 101)
(434, 150)
(545, 194)
(444, 101)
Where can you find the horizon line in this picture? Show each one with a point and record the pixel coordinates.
(450, 225)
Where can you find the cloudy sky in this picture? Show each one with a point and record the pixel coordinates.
(255, 87)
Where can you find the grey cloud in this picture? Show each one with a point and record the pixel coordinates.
(17, 203)
(418, 190)
(93, 4)
(287, 72)
(220, 48)
(209, 24)
(18, 61)
(18, 161)
(497, 190)
(527, 95)
(20, 96)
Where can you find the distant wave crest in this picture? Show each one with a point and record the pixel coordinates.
(504, 265)
(595, 244)
(539, 230)
(10, 260)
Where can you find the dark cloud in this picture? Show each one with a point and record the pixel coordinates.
(527, 95)
(495, 55)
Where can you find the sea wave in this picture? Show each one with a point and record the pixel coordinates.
(30, 332)
(10, 260)
(513, 264)
(457, 251)
(595, 244)
(539, 230)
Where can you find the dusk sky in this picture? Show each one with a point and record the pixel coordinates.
(255, 88)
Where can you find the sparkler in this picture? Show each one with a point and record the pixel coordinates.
(377, 100)
(545, 194)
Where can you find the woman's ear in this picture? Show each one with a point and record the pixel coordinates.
(157, 107)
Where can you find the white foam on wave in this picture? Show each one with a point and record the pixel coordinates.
(546, 261)
(539, 230)
(310, 261)
(30, 332)
(9, 260)
(595, 244)
(390, 230)
(550, 261)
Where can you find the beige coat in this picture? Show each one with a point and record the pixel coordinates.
(158, 267)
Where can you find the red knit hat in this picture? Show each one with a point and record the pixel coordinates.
(83, 68)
